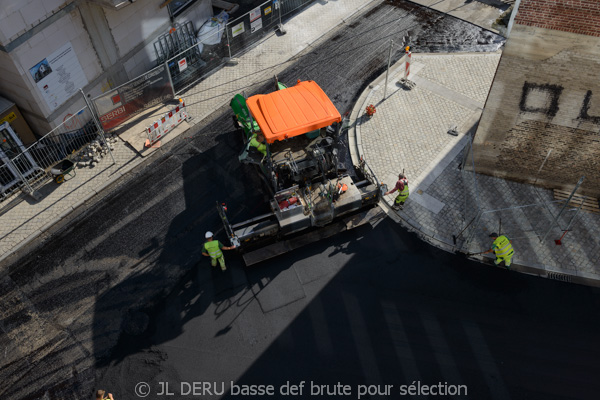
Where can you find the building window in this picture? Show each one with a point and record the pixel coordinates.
(176, 7)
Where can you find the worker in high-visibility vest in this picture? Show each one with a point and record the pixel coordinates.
(101, 395)
(402, 187)
(212, 248)
(258, 140)
(503, 248)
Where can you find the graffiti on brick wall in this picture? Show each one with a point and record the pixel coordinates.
(540, 98)
(545, 99)
(583, 113)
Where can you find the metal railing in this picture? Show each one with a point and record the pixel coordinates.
(32, 165)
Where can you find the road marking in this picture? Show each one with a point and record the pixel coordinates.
(321, 332)
(410, 370)
(441, 350)
(362, 340)
(486, 361)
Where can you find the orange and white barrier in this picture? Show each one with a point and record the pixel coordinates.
(166, 124)
(408, 62)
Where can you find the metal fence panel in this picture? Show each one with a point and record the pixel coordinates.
(229, 41)
(245, 31)
(289, 6)
(124, 102)
(32, 164)
(67, 138)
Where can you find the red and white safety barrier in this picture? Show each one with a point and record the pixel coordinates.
(408, 62)
(166, 124)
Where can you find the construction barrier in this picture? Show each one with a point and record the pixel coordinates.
(408, 61)
(166, 124)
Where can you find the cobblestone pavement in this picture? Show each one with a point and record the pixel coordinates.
(409, 132)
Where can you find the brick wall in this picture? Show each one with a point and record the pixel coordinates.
(545, 96)
(573, 153)
(575, 16)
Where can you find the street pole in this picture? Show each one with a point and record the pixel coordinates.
(388, 70)
(98, 125)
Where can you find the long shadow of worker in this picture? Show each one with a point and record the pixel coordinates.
(172, 282)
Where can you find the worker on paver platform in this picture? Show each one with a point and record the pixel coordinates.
(212, 248)
(402, 187)
(101, 395)
(503, 248)
(258, 140)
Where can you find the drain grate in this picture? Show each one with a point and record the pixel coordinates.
(559, 277)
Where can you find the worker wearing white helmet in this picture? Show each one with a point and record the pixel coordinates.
(212, 248)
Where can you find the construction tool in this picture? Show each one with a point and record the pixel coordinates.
(475, 254)
(558, 242)
(460, 233)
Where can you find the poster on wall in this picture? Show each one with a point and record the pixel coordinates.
(58, 76)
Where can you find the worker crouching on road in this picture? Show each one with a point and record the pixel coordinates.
(212, 248)
(503, 248)
(402, 187)
(258, 140)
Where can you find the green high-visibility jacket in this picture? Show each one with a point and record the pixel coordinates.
(259, 146)
(213, 248)
(404, 193)
(502, 246)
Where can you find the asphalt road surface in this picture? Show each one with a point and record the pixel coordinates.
(123, 295)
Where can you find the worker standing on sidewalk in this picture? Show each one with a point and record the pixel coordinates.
(402, 187)
(503, 248)
(212, 248)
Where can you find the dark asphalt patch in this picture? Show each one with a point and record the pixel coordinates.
(273, 294)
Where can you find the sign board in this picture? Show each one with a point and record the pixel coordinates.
(137, 95)
(255, 25)
(182, 64)
(255, 14)
(238, 29)
(268, 10)
(9, 118)
(58, 76)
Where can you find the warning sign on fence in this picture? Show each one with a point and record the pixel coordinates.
(182, 64)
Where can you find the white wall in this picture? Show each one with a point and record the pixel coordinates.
(17, 16)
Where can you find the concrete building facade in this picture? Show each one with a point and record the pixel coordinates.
(49, 49)
(544, 103)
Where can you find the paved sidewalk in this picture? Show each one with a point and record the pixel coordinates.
(409, 132)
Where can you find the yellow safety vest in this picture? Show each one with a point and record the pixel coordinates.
(404, 192)
(212, 248)
(503, 247)
(259, 146)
